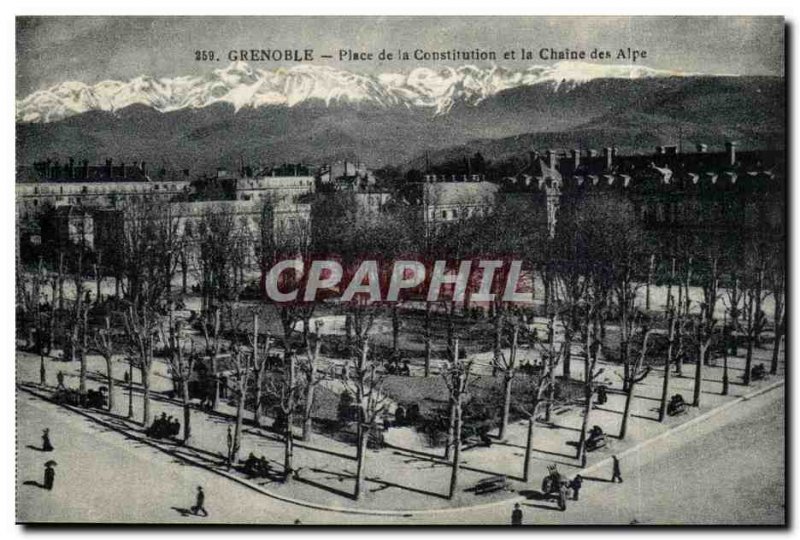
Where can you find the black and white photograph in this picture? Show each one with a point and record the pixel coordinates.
(400, 270)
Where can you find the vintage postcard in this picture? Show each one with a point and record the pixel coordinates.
(401, 270)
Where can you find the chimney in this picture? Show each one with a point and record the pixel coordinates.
(701, 148)
(730, 150)
(551, 159)
(576, 158)
(108, 168)
(608, 157)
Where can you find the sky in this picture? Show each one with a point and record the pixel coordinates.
(51, 50)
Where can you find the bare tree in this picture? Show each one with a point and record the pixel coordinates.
(181, 357)
(675, 326)
(105, 344)
(457, 377)
(142, 325)
(149, 231)
(637, 371)
(241, 363)
(366, 383)
(777, 283)
(261, 352)
(508, 365)
(705, 324)
(313, 376)
(754, 316)
(593, 311)
(542, 384)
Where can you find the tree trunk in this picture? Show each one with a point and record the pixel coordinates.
(187, 412)
(498, 336)
(627, 411)
(748, 363)
(508, 381)
(288, 448)
(215, 352)
(258, 397)
(451, 434)
(650, 270)
(361, 458)
(184, 272)
(551, 371)
(308, 409)
(776, 351)
(130, 390)
(110, 382)
(725, 381)
(526, 471)
(456, 449)
(395, 328)
(587, 409)
(146, 395)
(427, 340)
(82, 378)
(237, 432)
(288, 459)
(662, 408)
(698, 375)
(567, 352)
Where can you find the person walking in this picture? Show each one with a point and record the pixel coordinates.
(200, 505)
(60, 379)
(562, 496)
(49, 475)
(516, 515)
(616, 473)
(46, 444)
(575, 485)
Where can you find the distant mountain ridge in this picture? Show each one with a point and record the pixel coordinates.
(632, 113)
(240, 85)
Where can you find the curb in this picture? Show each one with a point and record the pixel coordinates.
(241, 481)
(635, 448)
(410, 513)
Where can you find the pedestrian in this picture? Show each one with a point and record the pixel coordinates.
(602, 395)
(201, 499)
(617, 473)
(230, 446)
(516, 515)
(49, 475)
(46, 445)
(127, 378)
(575, 485)
(562, 496)
(60, 379)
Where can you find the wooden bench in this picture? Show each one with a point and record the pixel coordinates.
(488, 485)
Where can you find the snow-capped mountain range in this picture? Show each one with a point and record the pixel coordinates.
(241, 85)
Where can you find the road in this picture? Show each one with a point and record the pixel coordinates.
(727, 470)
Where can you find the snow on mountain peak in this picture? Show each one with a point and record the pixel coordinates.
(241, 85)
